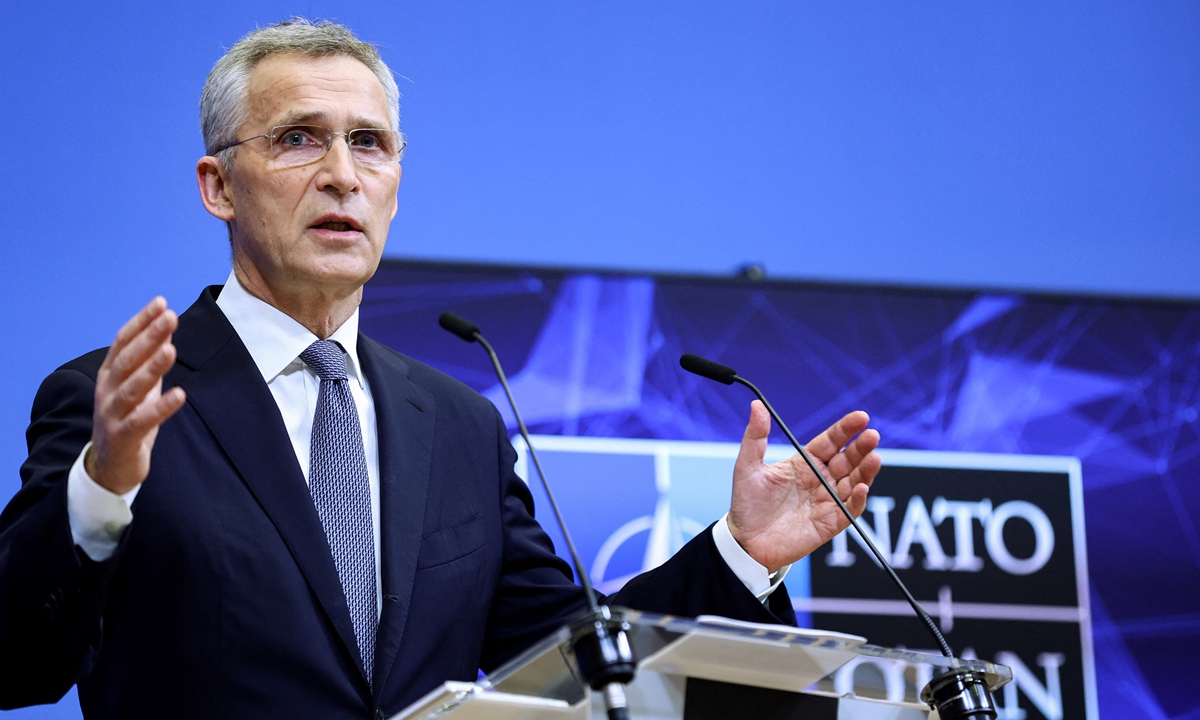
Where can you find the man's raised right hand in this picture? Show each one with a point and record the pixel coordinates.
(130, 404)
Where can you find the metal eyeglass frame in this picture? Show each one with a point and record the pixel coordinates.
(278, 130)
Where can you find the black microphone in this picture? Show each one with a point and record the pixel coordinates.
(707, 368)
(959, 693)
(461, 327)
(598, 638)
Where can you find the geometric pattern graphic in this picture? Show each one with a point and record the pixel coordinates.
(1113, 382)
(589, 357)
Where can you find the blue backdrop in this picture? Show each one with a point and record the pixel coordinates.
(1050, 146)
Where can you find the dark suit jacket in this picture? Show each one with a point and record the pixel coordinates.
(222, 600)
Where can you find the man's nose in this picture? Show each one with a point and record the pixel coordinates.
(338, 170)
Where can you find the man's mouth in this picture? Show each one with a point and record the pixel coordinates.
(337, 223)
(336, 226)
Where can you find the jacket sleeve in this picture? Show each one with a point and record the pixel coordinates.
(698, 581)
(51, 594)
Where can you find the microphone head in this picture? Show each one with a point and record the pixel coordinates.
(461, 327)
(707, 368)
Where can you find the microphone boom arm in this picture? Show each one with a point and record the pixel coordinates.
(599, 638)
(958, 693)
(916, 606)
(593, 605)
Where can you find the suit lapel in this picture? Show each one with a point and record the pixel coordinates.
(404, 417)
(229, 394)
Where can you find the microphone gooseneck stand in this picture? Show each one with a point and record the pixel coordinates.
(958, 693)
(598, 637)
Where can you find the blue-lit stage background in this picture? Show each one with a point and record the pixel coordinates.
(1113, 382)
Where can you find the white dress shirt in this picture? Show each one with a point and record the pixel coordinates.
(274, 340)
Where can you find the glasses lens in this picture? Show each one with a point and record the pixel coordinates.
(295, 145)
(375, 145)
(299, 144)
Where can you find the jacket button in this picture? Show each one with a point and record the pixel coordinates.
(379, 714)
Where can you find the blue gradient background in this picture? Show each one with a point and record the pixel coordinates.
(1032, 146)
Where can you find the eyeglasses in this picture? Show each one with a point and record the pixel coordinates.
(296, 145)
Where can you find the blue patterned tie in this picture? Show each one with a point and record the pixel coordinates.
(340, 490)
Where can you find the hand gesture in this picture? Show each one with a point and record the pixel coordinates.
(781, 513)
(130, 405)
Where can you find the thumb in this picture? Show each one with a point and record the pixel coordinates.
(754, 441)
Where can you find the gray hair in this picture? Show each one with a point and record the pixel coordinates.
(223, 102)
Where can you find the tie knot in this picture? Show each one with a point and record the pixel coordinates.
(326, 360)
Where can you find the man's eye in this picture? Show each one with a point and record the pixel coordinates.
(367, 141)
(296, 138)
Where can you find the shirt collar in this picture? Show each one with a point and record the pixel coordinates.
(274, 339)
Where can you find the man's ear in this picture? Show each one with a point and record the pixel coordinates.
(213, 181)
(396, 197)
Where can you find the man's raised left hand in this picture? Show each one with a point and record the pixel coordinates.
(780, 513)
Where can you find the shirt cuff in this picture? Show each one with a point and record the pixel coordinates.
(753, 575)
(97, 516)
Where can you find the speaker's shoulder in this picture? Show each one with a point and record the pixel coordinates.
(442, 386)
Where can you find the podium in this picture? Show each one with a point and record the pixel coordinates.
(708, 669)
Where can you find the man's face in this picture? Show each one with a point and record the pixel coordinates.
(317, 230)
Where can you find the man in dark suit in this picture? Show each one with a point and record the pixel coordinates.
(324, 528)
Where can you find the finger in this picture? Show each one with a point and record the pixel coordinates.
(864, 474)
(826, 445)
(861, 446)
(857, 502)
(137, 323)
(138, 350)
(151, 415)
(754, 440)
(759, 426)
(844, 462)
(133, 390)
